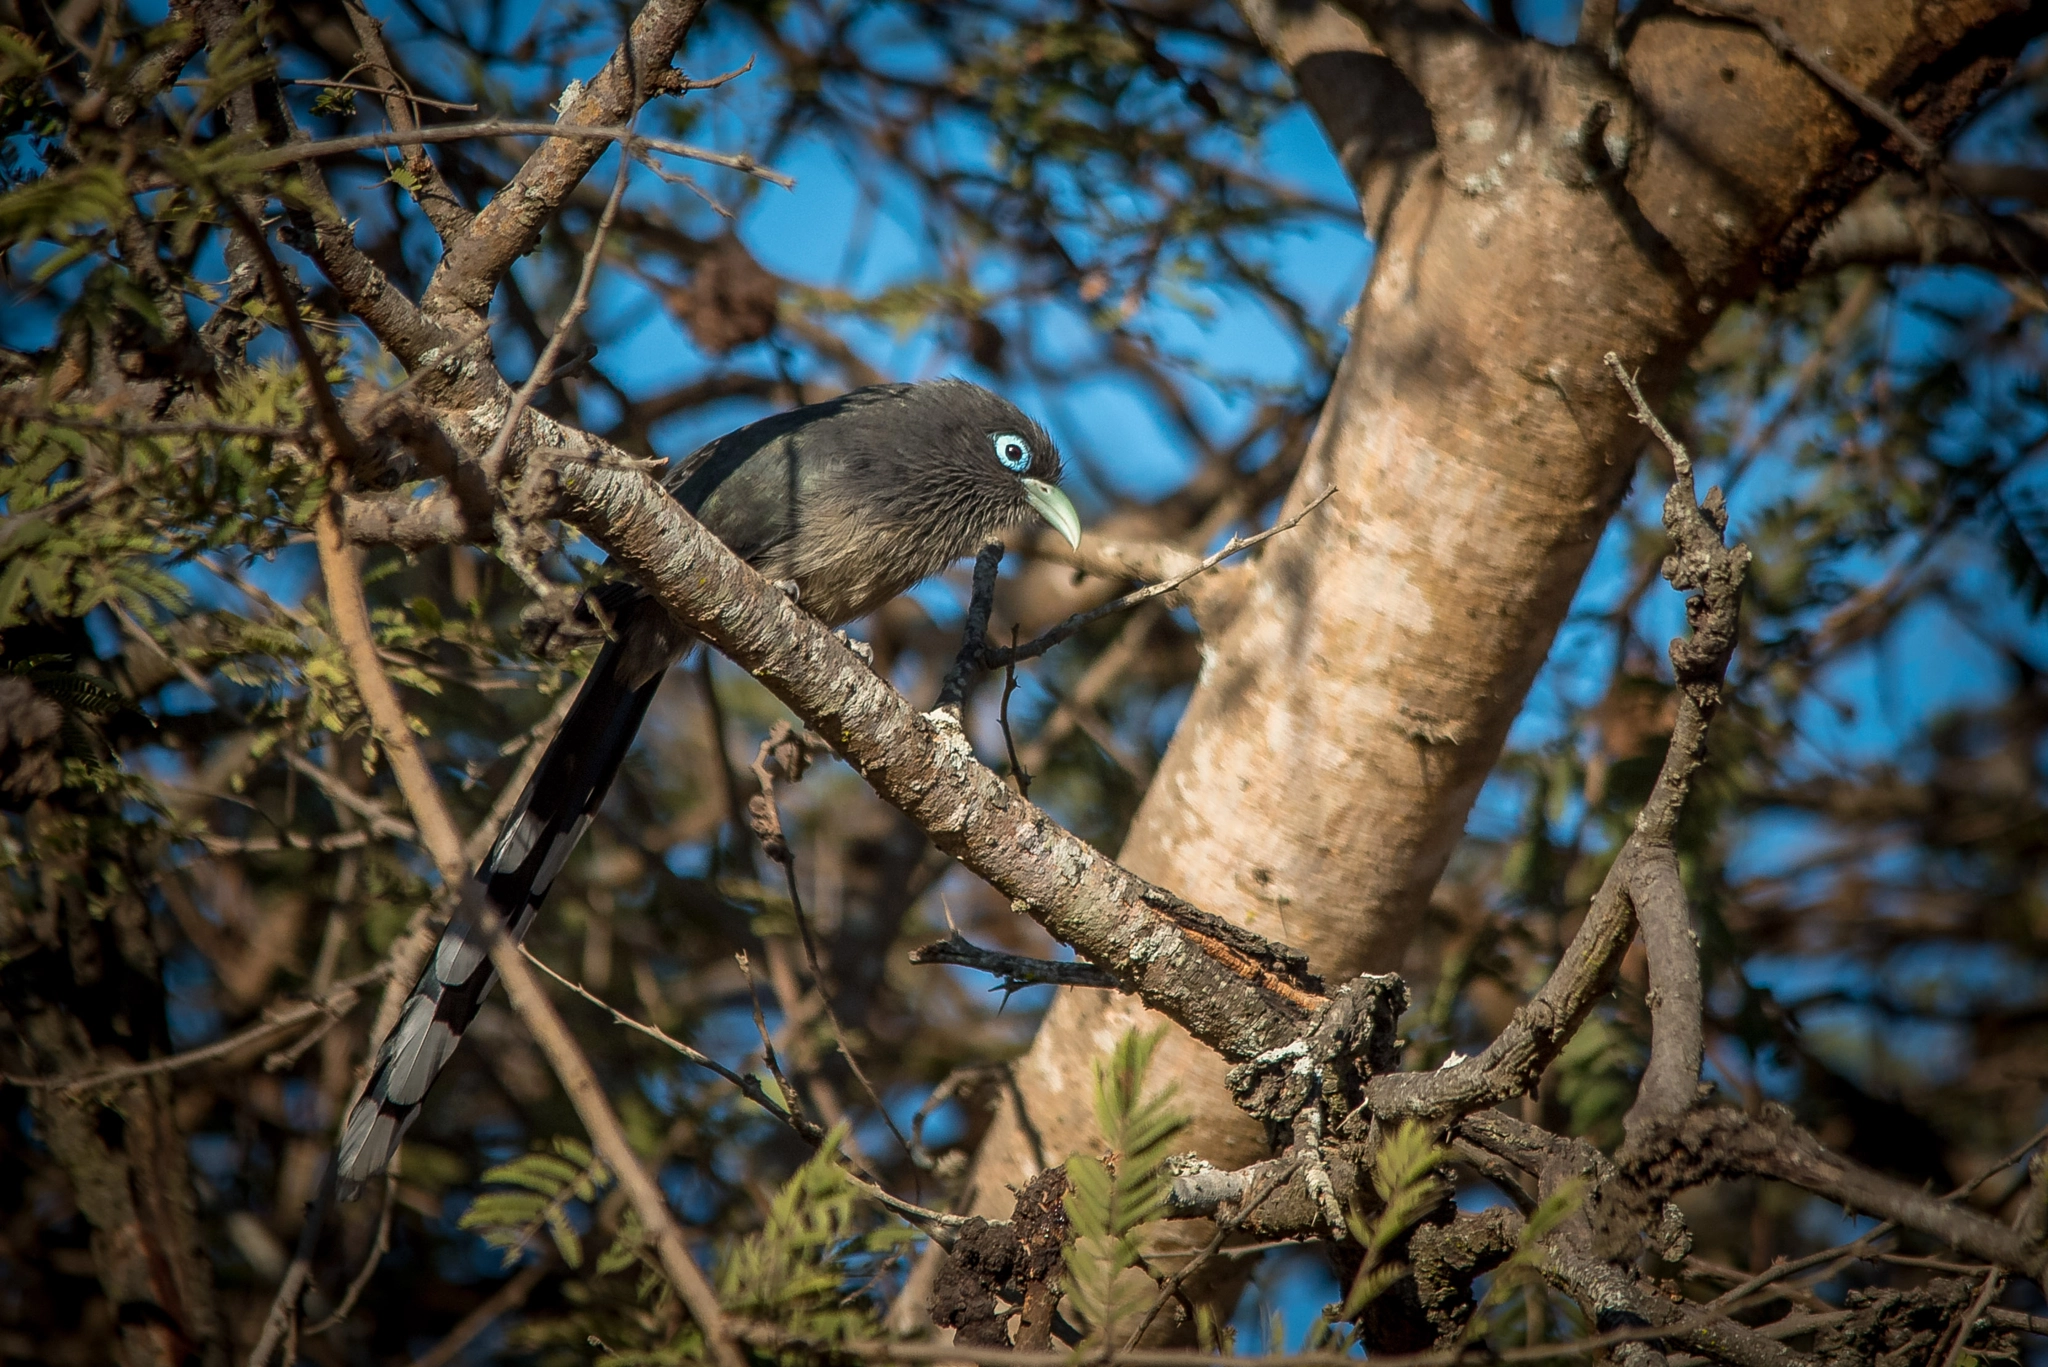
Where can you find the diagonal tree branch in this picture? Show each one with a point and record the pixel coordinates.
(1712, 1144)
(436, 200)
(509, 226)
(1236, 991)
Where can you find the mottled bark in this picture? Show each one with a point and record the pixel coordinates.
(1354, 701)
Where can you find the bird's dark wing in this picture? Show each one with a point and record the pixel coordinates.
(532, 846)
(755, 487)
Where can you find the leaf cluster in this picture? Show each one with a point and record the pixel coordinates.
(1110, 1197)
(536, 1192)
(1404, 1175)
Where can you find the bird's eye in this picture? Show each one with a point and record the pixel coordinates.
(1013, 451)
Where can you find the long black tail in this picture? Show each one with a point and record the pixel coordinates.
(531, 848)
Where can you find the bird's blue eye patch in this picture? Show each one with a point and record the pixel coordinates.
(1013, 451)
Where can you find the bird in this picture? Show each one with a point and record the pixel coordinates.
(844, 504)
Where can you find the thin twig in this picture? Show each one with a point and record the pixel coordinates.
(768, 1055)
(973, 631)
(124, 427)
(1038, 645)
(407, 96)
(749, 1087)
(1968, 1188)
(1992, 1281)
(294, 153)
(281, 1322)
(1015, 970)
(1855, 1248)
(777, 847)
(673, 82)
(379, 1246)
(510, 1296)
(342, 795)
(336, 1001)
(1017, 769)
(271, 844)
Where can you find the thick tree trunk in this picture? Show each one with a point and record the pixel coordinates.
(1362, 675)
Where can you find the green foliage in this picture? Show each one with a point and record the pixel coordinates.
(803, 1271)
(98, 515)
(1596, 1077)
(534, 1194)
(1108, 1198)
(1404, 1176)
(796, 1270)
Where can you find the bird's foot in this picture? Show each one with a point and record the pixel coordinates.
(858, 647)
(789, 589)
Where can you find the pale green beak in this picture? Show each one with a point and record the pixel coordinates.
(1056, 508)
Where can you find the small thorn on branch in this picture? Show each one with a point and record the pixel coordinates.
(1015, 970)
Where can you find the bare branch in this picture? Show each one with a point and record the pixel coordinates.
(748, 1086)
(974, 633)
(1015, 970)
(336, 1001)
(505, 1299)
(379, 1246)
(391, 93)
(510, 225)
(436, 200)
(1707, 1145)
(997, 656)
(1236, 991)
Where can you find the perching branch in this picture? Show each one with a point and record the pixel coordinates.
(974, 632)
(1014, 970)
(1235, 991)
(637, 145)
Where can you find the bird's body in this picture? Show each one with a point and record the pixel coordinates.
(850, 501)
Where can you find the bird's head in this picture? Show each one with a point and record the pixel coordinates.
(1008, 459)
